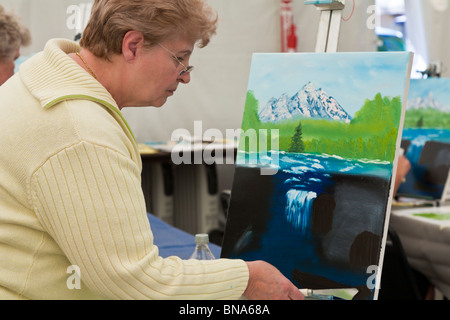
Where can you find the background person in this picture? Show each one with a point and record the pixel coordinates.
(70, 168)
(403, 167)
(13, 35)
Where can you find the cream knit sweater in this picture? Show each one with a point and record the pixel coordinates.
(71, 198)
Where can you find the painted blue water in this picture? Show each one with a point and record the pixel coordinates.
(300, 163)
(430, 134)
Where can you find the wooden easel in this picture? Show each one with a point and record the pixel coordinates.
(329, 25)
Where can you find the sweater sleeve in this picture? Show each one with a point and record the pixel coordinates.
(89, 199)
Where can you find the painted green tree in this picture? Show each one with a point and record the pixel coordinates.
(297, 144)
(420, 123)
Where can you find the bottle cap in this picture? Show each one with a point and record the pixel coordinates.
(201, 238)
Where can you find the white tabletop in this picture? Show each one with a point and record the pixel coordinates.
(426, 241)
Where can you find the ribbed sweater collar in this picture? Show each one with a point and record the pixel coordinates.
(52, 76)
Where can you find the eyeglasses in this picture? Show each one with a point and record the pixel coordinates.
(174, 57)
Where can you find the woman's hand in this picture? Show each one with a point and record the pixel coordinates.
(267, 283)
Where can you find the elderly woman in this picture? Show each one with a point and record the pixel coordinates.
(13, 35)
(70, 188)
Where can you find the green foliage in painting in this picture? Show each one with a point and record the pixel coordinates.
(427, 118)
(372, 134)
(256, 136)
(251, 118)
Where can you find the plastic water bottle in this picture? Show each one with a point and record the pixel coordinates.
(202, 251)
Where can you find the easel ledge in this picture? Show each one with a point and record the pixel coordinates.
(326, 5)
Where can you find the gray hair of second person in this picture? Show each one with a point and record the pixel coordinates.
(13, 34)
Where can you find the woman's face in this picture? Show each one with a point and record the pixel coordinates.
(157, 72)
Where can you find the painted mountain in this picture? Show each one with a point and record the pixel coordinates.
(309, 102)
(427, 102)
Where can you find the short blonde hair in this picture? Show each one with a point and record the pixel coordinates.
(158, 20)
(13, 34)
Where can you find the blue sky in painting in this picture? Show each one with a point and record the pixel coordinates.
(350, 78)
(439, 87)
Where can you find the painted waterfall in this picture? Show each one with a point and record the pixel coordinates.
(331, 126)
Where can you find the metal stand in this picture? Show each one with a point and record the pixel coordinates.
(330, 24)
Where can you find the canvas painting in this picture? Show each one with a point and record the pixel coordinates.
(312, 186)
(426, 138)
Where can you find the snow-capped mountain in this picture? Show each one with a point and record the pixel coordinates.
(308, 102)
(428, 102)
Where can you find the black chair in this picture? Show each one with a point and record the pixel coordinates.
(398, 280)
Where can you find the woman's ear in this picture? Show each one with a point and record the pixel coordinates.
(131, 42)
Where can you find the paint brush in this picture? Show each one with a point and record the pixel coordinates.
(329, 294)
